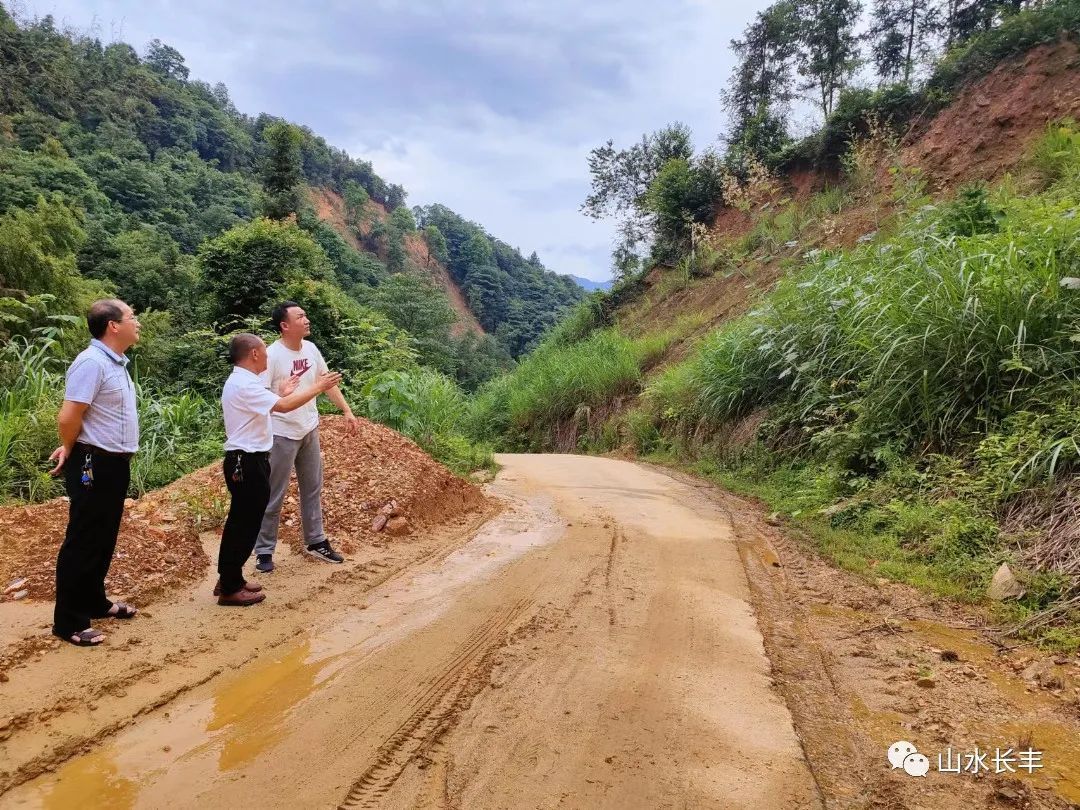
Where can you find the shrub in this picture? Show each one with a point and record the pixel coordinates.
(1057, 153)
(430, 409)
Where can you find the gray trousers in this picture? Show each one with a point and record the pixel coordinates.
(304, 455)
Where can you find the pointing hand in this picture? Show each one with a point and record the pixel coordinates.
(325, 382)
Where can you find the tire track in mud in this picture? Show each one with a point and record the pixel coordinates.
(110, 697)
(437, 709)
(616, 538)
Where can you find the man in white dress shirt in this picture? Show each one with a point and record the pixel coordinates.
(246, 404)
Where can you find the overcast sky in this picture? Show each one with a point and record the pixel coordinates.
(488, 107)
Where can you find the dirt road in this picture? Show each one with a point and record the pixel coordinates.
(617, 636)
(593, 646)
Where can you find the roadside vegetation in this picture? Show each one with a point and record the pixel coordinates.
(910, 403)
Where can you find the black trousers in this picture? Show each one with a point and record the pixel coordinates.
(250, 494)
(93, 522)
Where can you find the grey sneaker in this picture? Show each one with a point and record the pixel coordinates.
(322, 551)
(264, 563)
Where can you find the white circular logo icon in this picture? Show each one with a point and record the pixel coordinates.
(916, 764)
(898, 751)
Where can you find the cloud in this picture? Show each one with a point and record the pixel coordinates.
(488, 107)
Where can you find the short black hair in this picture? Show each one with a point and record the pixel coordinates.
(280, 313)
(241, 344)
(101, 313)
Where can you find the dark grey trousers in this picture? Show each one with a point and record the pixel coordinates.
(304, 455)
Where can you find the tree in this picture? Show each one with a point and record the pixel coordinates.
(245, 269)
(149, 272)
(436, 243)
(356, 202)
(901, 35)
(396, 255)
(282, 170)
(478, 358)
(966, 18)
(395, 196)
(477, 253)
(828, 53)
(761, 88)
(37, 249)
(402, 219)
(621, 179)
(684, 192)
(413, 303)
(166, 61)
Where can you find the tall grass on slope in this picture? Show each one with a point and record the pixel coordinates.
(519, 409)
(430, 409)
(920, 340)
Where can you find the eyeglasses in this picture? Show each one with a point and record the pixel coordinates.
(132, 319)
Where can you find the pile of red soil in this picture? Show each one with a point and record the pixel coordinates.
(159, 546)
(363, 473)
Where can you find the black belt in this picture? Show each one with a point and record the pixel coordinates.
(101, 451)
(249, 452)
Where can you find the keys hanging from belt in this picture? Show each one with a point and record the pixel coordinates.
(88, 471)
(238, 470)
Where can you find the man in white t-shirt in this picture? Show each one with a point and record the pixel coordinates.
(296, 437)
(247, 405)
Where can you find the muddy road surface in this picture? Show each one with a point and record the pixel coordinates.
(592, 645)
(617, 636)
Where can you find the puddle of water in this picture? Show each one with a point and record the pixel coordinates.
(247, 712)
(95, 782)
(1057, 740)
(251, 710)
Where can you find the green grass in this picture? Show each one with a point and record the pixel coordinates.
(921, 340)
(179, 432)
(520, 410)
(1057, 154)
(914, 387)
(430, 409)
(941, 547)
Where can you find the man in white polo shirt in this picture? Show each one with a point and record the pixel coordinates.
(247, 404)
(296, 438)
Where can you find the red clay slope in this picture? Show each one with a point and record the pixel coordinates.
(331, 209)
(986, 131)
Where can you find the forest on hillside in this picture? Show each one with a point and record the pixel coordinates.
(122, 175)
(136, 169)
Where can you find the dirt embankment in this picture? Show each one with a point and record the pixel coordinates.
(987, 130)
(159, 546)
(331, 209)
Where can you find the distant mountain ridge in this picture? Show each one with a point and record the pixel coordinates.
(588, 284)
